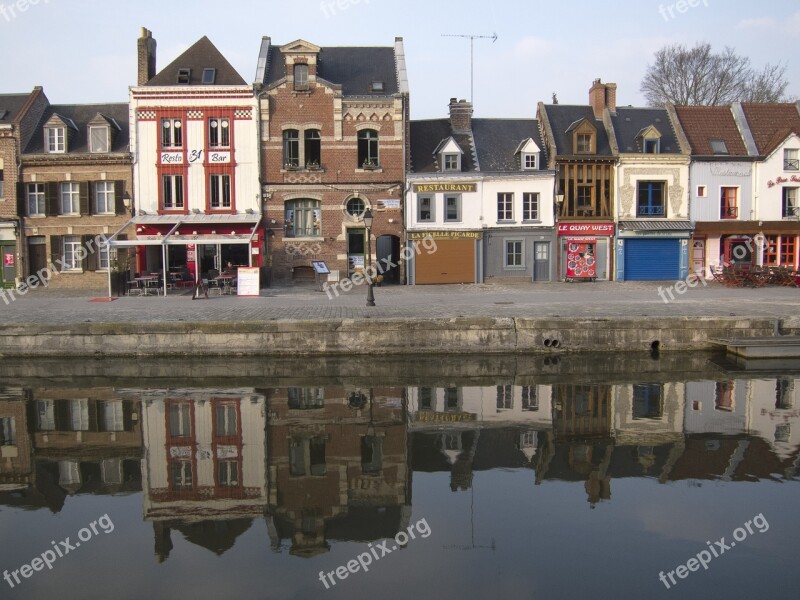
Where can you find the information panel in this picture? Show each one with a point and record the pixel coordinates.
(248, 281)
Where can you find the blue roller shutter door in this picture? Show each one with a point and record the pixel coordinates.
(652, 260)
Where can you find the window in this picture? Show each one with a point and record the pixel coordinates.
(452, 208)
(718, 147)
(425, 209)
(515, 254)
(303, 218)
(452, 399)
(8, 431)
(184, 76)
(771, 247)
(313, 148)
(228, 473)
(172, 192)
(651, 199)
(790, 160)
(529, 162)
(182, 475)
(368, 148)
(307, 456)
(180, 419)
(784, 389)
(377, 86)
(2, 186)
(306, 398)
(209, 76)
(171, 133)
(98, 139)
(291, 148)
(35, 198)
(505, 206)
(79, 415)
(647, 401)
(73, 253)
(426, 398)
(70, 198)
(729, 208)
(104, 200)
(219, 133)
(220, 191)
(583, 143)
(790, 206)
(788, 249)
(585, 201)
(723, 396)
(226, 420)
(55, 139)
(652, 146)
(103, 256)
(530, 401)
(452, 162)
(371, 454)
(355, 207)
(505, 397)
(45, 415)
(301, 77)
(530, 206)
(702, 191)
(113, 415)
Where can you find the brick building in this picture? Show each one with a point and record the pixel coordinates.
(334, 127)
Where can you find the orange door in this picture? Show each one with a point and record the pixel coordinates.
(453, 262)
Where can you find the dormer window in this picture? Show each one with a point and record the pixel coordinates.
(98, 139)
(652, 146)
(528, 152)
(184, 76)
(452, 162)
(55, 139)
(209, 76)
(377, 86)
(718, 146)
(301, 77)
(583, 143)
(529, 162)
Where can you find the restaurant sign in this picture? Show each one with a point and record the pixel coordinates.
(445, 417)
(445, 235)
(586, 228)
(432, 188)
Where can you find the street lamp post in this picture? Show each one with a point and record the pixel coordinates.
(368, 218)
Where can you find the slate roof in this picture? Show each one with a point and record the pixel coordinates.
(563, 116)
(202, 55)
(704, 123)
(81, 115)
(497, 141)
(10, 105)
(771, 124)
(352, 67)
(629, 122)
(427, 135)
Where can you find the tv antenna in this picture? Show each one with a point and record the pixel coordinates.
(472, 39)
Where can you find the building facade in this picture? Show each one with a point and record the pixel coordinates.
(333, 142)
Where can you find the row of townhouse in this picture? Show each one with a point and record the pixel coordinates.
(201, 170)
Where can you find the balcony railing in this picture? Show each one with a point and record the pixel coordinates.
(791, 212)
(650, 211)
(730, 212)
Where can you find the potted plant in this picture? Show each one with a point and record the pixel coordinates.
(312, 165)
(290, 166)
(369, 165)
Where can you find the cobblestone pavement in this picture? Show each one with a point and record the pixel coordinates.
(305, 302)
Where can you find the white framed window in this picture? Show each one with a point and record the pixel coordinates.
(98, 139)
(55, 139)
(103, 255)
(45, 415)
(72, 253)
(425, 212)
(452, 162)
(790, 159)
(113, 415)
(530, 206)
(70, 198)
(79, 414)
(505, 206)
(36, 200)
(219, 133)
(514, 254)
(452, 208)
(172, 190)
(171, 133)
(529, 162)
(220, 191)
(104, 200)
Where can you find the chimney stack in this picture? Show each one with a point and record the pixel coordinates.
(601, 96)
(460, 115)
(146, 57)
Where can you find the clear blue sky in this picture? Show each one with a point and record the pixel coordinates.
(85, 50)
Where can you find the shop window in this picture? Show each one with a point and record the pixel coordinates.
(452, 209)
(647, 401)
(530, 206)
(171, 133)
(313, 148)
(104, 198)
(220, 191)
(36, 200)
(791, 208)
(172, 192)
(425, 209)
(301, 77)
(650, 195)
(790, 160)
(514, 254)
(788, 249)
(70, 198)
(219, 133)
(505, 206)
(368, 148)
(771, 247)
(291, 148)
(729, 203)
(303, 218)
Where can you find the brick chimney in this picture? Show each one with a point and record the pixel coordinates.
(146, 57)
(601, 96)
(460, 115)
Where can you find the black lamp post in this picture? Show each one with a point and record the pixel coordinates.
(368, 218)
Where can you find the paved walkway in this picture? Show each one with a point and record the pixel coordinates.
(304, 302)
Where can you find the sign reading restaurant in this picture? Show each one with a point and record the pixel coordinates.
(432, 188)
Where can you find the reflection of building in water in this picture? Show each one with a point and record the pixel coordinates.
(337, 466)
(16, 445)
(204, 464)
(774, 414)
(717, 406)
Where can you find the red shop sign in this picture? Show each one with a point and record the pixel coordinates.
(586, 228)
(581, 261)
(8, 259)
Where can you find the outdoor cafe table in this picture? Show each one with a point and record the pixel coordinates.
(225, 281)
(146, 282)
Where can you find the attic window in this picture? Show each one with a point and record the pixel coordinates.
(452, 162)
(528, 161)
(3, 113)
(652, 146)
(377, 86)
(718, 147)
(184, 76)
(301, 77)
(209, 76)
(98, 139)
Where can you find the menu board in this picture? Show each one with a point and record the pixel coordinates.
(248, 281)
(581, 260)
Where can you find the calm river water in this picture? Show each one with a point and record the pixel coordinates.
(593, 476)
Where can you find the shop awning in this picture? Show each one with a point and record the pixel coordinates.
(732, 226)
(656, 225)
(219, 224)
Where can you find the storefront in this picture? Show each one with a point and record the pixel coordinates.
(585, 251)
(193, 245)
(523, 253)
(770, 243)
(653, 250)
(457, 259)
(8, 250)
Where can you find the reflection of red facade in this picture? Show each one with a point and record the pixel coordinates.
(581, 259)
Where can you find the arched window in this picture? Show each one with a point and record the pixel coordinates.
(368, 148)
(313, 148)
(291, 148)
(303, 218)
